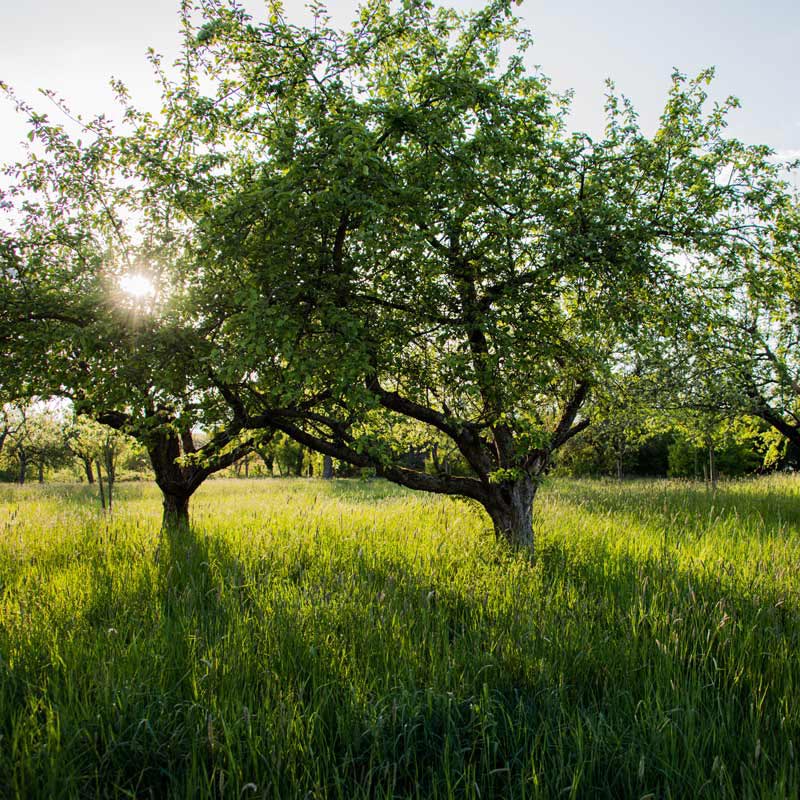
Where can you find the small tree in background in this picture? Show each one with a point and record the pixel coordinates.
(706, 446)
(100, 450)
(34, 436)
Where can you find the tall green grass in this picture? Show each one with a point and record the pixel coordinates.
(351, 640)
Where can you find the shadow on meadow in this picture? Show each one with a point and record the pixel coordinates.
(324, 669)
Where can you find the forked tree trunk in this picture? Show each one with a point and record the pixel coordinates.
(177, 483)
(166, 443)
(87, 465)
(510, 506)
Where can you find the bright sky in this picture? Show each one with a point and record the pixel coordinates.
(74, 46)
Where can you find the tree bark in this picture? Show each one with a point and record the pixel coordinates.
(177, 482)
(87, 465)
(510, 506)
(176, 511)
(41, 472)
(327, 468)
(23, 467)
(111, 473)
(166, 444)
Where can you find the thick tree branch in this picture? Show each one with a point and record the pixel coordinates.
(118, 420)
(463, 434)
(401, 405)
(412, 479)
(762, 408)
(565, 429)
(781, 368)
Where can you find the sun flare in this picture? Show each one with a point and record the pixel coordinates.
(137, 286)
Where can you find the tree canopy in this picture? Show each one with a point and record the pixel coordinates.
(384, 240)
(81, 220)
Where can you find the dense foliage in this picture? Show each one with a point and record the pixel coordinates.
(424, 258)
(384, 243)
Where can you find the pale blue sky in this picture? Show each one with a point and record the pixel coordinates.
(73, 47)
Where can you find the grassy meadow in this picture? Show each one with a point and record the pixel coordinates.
(353, 640)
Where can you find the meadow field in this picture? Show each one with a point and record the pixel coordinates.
(348, 639)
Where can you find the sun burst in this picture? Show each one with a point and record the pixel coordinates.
(137, 286)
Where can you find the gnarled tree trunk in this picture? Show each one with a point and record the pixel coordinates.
(166, 444)
(504, 479)
(510, 506)
(177, 482)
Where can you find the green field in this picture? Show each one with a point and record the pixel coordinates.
(351, 640)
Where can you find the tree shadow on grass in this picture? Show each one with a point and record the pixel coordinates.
(370, 677)
(352, 673)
